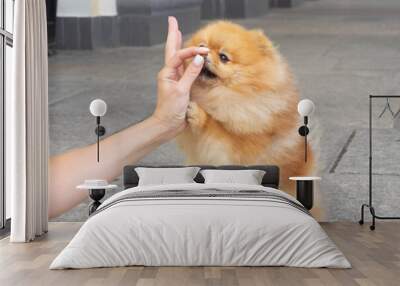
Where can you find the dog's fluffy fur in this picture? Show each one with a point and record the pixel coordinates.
(243, 107)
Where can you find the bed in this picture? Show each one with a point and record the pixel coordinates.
(199, 224)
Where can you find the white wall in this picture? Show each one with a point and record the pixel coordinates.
(9, 13)
(9, 64)
(74, 8)
(8, 83)
(107, 7)
(86, 8)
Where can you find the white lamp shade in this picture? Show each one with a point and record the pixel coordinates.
(305, 107)
(98, 107)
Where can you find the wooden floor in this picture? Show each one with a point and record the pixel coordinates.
(375, 257)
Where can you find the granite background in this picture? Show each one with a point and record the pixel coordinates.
(340, 51)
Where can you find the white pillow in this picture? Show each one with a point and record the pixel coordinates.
(163, 176)
(248, 177)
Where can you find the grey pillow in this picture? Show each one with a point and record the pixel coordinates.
(248, 177)
(163, 176)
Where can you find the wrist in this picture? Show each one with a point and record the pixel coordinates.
(165, 130)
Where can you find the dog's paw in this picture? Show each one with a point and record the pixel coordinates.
(196, 116)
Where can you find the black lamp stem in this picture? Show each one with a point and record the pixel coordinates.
(305, 150)
(305, 138)
(98, 138)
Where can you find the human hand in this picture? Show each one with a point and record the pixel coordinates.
(174, 82)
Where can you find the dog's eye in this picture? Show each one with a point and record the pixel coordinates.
(224, 58)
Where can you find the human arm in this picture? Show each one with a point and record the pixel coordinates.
(131, 144)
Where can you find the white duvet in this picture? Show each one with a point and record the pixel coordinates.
(200, 231)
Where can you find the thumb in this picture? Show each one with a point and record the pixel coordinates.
(191, 73)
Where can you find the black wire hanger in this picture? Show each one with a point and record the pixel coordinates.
(388, 107)
(396, 114)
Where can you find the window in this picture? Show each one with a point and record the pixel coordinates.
(6, 43)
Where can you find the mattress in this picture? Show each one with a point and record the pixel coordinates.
(201, 225)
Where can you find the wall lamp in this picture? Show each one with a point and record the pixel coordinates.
(305, 108)
(98, 108)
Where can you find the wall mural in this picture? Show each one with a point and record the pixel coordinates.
(244, 104)
(243, 108)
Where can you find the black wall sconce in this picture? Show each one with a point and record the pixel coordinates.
(305, 108)
(98, 108)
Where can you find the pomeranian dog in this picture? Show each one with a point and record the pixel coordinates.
(243, 107)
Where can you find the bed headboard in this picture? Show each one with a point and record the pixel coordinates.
(270, 179)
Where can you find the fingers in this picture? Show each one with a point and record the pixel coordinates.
(191, 73)
(178, 47)
(179, 41)
(172, 38)
(180, 56)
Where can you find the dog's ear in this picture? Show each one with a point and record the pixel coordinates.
(264, 43)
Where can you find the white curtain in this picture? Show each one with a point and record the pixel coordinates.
(27, 123)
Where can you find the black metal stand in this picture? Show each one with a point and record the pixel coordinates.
(305, 193)
(303, 131)
(100, 131)
(370, 205)
(96, 195)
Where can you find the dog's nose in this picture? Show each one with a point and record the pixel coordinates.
(207, 59)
